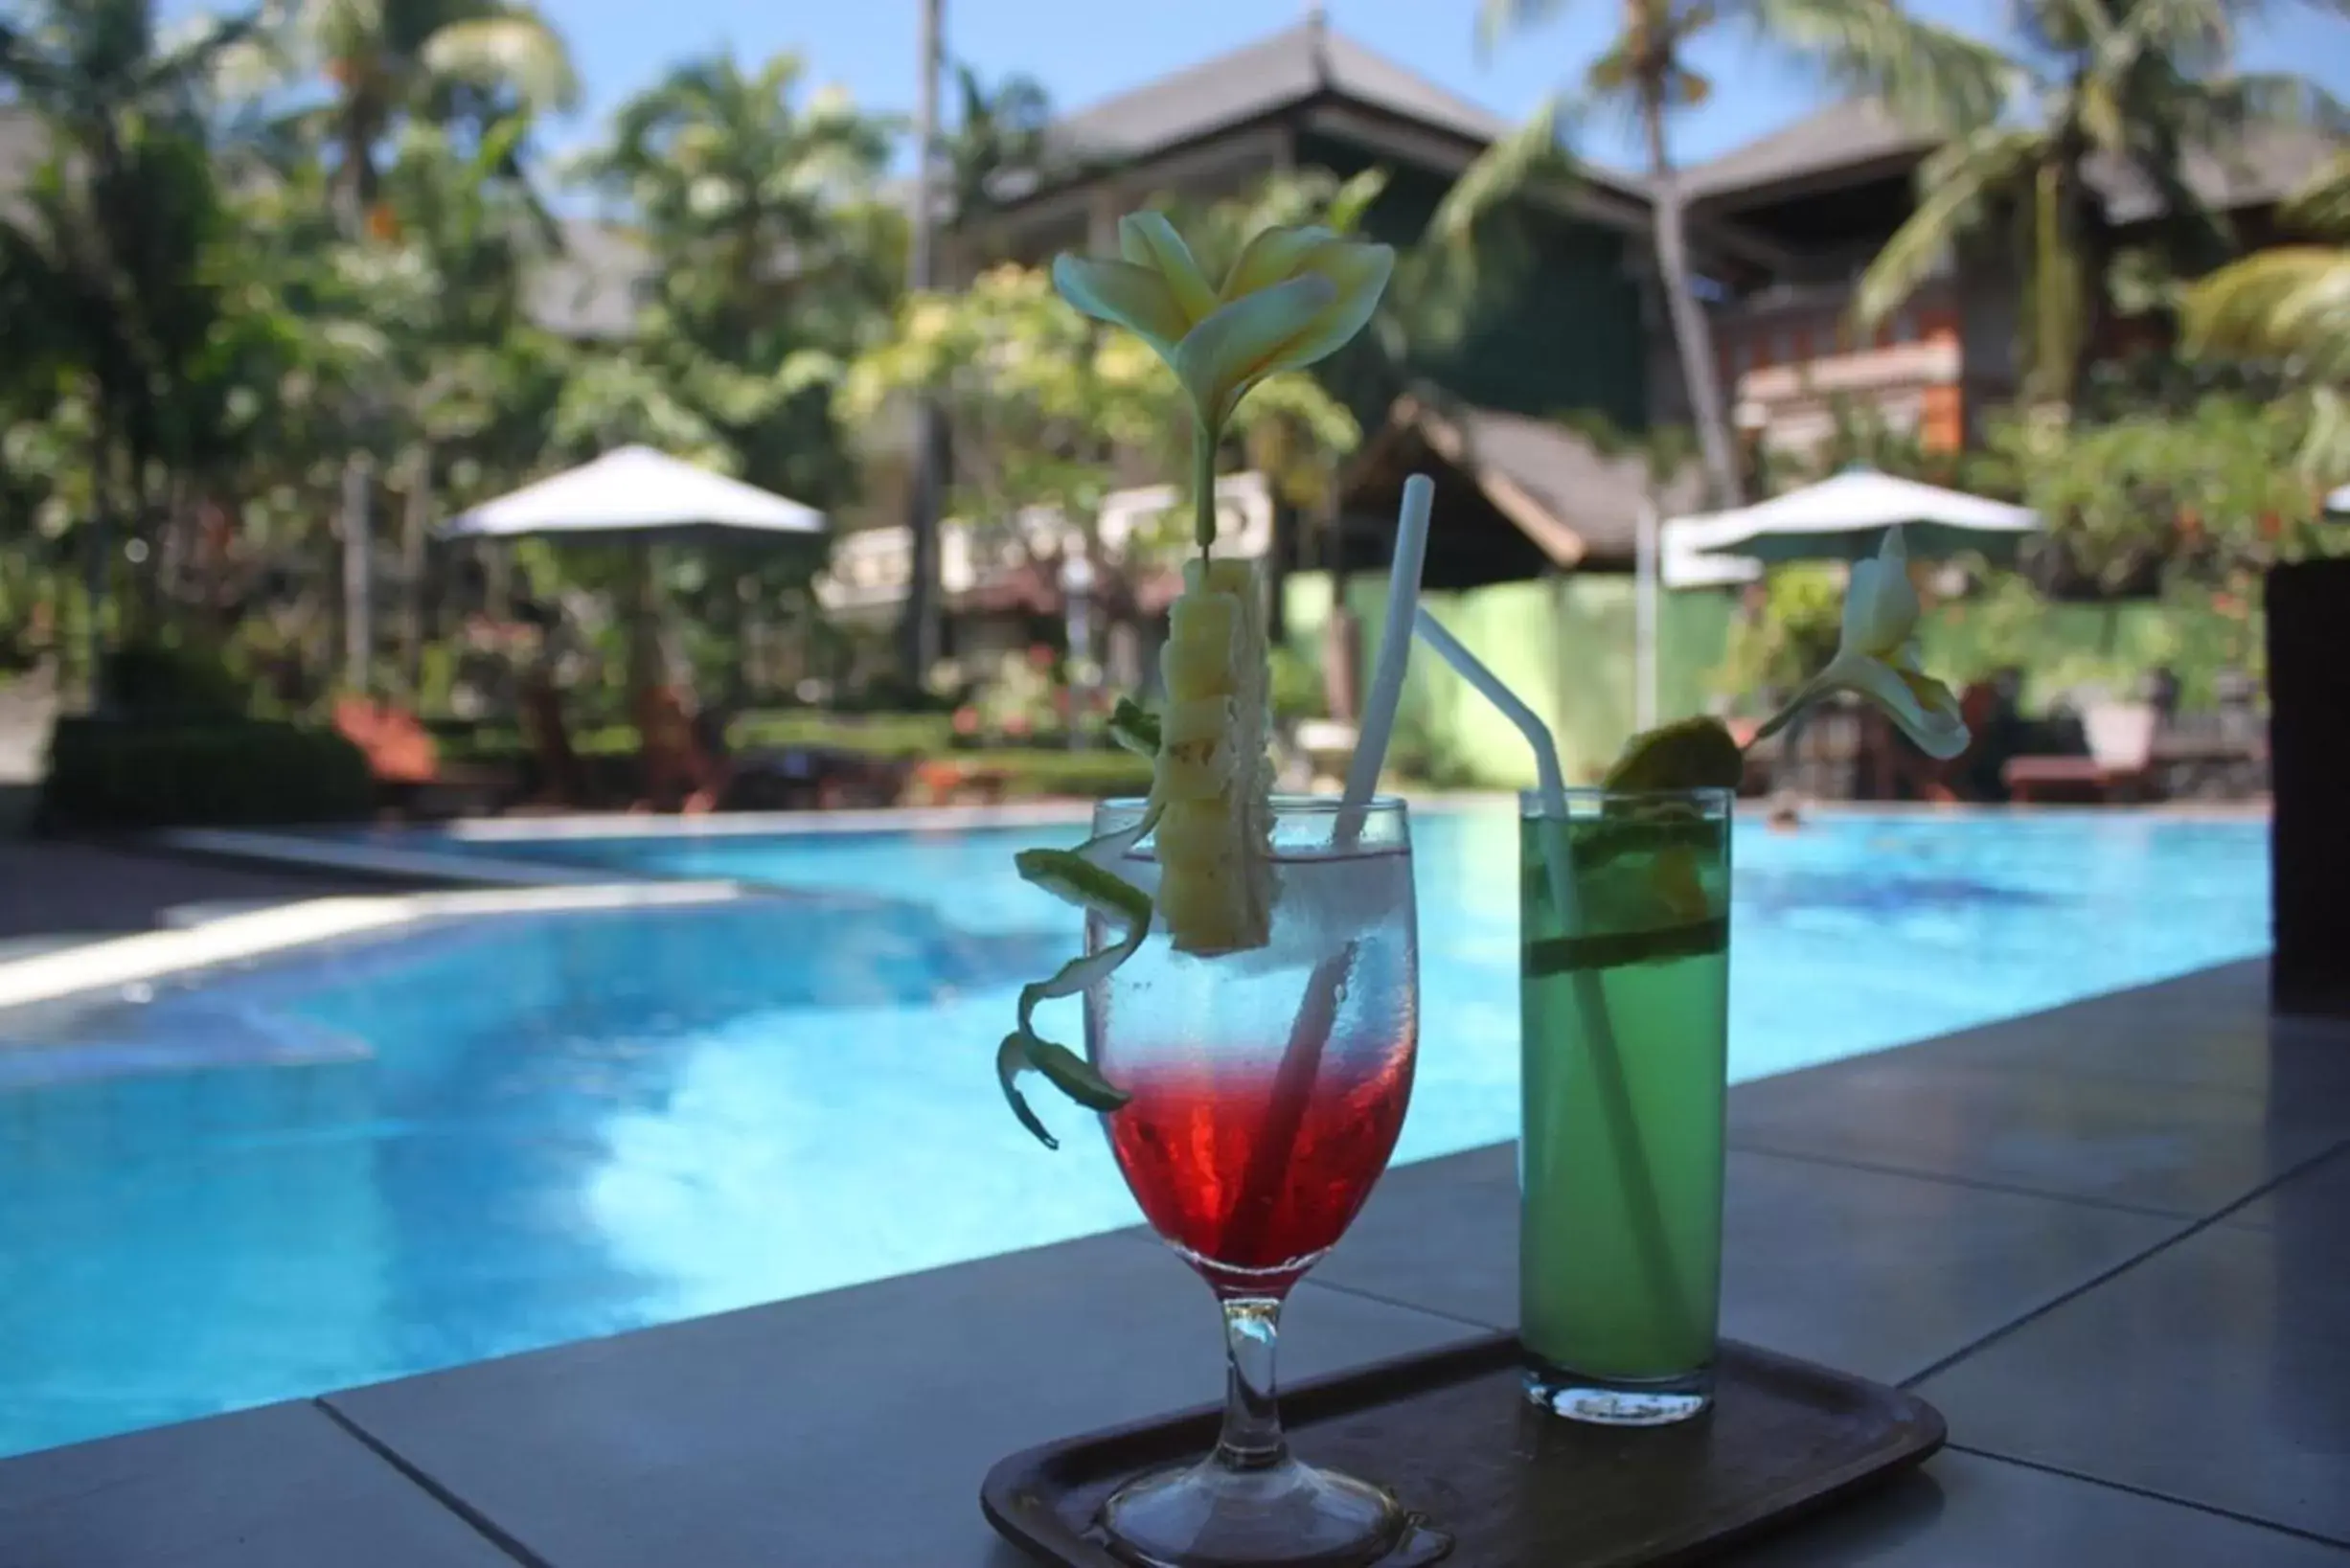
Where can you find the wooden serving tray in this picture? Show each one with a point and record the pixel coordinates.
(1514, 1487)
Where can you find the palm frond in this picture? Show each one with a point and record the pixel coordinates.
(1934, 78)
(2291, 302)
(2322, 206)
(1499, 18)
(2272, 98)
(516, 52)
(1532, 153)
(2194, 37)
(2325, 455)
(1955, 186)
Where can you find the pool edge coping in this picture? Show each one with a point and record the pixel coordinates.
(151, 955)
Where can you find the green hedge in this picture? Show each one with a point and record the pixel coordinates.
(108, 775)
(187, 686)
(1093, 775)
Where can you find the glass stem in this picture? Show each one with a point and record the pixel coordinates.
(1251, 1438)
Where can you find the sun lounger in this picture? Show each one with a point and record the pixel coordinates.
(407, 766)
(2121, 737)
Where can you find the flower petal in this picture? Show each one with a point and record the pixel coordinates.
(1359, 272)
(1880, 605)
(1230, 352)
(1271, 257)
(1926, 709)
(1134, 297)
(1148, 241)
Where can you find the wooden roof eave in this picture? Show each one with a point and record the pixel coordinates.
(1550, 533)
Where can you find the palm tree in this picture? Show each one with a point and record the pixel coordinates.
(999, 136)
(476, 60)
(2124, 88)
(103, 257)
(917, 635)
(774, 259)
(459, 237)
(1645, 75)
(446, 61)
(2291, 303)
(772, 249)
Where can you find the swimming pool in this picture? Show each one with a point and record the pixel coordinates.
(357, 1161)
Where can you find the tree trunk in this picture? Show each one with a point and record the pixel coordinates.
(415, 519)
(1691, 336)
(920, 633)
(358, 620)
(97, 558)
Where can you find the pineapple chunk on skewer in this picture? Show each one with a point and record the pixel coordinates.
(1213, 781)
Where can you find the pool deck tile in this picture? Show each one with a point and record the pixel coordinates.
(281, 1486)
(849, 1429)
(2107, 1241)
(2173, 1099)
(2305, 1204)
(1967, 1511)
(2211, 1030)
(2245, 1409)
(1879, 1274)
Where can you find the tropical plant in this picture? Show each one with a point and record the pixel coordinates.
(2210, 493)
(111, 285)
(476, 61)
(2291, 303)
(1647, 76)
(467, 378)
(2110, 90)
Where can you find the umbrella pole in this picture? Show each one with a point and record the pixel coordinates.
(644, 629)
(1645, 606)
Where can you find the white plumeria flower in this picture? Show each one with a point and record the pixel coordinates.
(1294, 296)
(1878, 658)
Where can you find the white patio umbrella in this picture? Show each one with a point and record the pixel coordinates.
(2339, 500)
(635, 492)
(637, 496)
(1845, 518)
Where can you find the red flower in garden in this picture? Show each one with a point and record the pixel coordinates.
(967, 720)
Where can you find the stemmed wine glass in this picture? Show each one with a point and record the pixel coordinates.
(1268, 1089)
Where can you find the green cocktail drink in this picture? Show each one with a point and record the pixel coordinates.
(1625, 1026)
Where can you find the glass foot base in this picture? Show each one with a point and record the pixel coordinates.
(1607, 1401)
(1285, 1515)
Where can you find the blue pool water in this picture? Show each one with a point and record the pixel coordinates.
(361, 1160)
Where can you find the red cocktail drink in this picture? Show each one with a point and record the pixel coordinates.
(1195, 1139)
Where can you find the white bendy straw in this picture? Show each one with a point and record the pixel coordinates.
(1317, 1011)
(1395, 647)
(1548, 776)
(1632, 1167)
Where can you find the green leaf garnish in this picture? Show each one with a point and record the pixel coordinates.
(1068, 874)
(1134, 727)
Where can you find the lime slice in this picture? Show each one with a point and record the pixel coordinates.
(1692, 754)
(1562, 954)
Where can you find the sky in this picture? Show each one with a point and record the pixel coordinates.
(869, 47)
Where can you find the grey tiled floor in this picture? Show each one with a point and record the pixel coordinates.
(2108, 1242)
